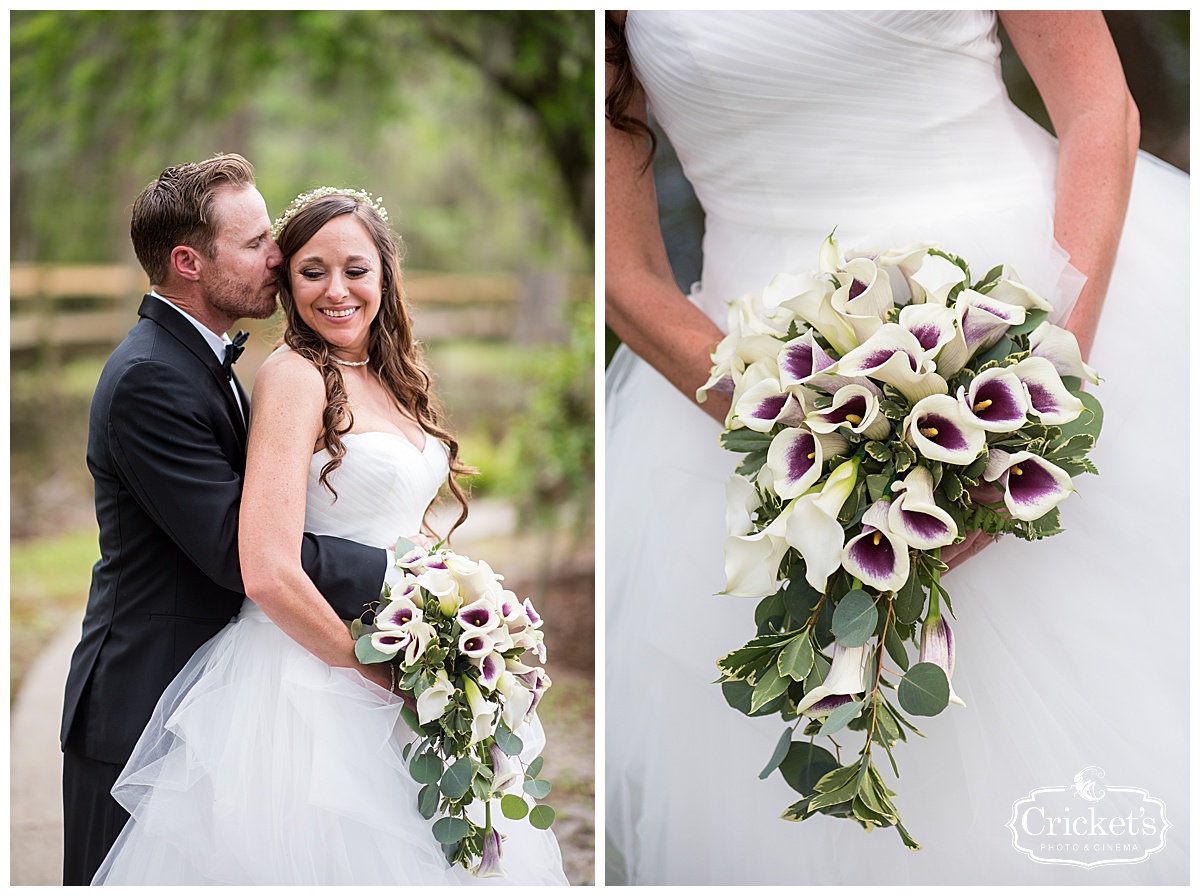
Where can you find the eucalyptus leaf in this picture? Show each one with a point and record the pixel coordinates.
(1033, 320)
(427, 800)
(357, 629)
(426, 768)
(838, 719)
(456, 780)
(541, 817)
(508, 742)
(450, 830)
(534, 768)
(805, 765)
(855, 618)
(536, 788)
(366, 652)
(513, 806)
(924, 690)
(781, 751)
(411, 719)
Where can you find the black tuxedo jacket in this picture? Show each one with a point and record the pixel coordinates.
(167, 450)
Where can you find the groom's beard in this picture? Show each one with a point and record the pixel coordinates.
(241, 299)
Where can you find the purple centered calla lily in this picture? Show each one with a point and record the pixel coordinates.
(996, 401)
(877, 556)
(937, 647)
(803, 362)
(479, 616)
(939, 429)
(855, 407)
(915, 516)
(933, 325)
(1032, 485)
(1049, 399)
(894, 356)
(847, 676)
(397, 614)
(864, 296)
(795, 457)
(766, 403)
(489, 862)
(1060, 348)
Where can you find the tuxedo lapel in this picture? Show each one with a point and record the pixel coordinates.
(189, 337)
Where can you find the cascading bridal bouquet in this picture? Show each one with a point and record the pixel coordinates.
(887, 407)
(458, 641)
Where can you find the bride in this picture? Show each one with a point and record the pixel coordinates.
(893, 127)
(271, 759)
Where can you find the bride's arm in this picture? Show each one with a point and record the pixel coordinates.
(643, 304)
(1072, 60)
(289, 396)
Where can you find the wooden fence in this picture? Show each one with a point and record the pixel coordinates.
(56, 310)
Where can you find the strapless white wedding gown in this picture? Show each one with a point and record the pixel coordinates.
(263, 765)
(895, 127)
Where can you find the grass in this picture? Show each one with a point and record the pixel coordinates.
(49, 579)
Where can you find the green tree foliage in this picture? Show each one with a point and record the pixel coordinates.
(460, 113)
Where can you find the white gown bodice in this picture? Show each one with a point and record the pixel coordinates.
(890, 126)
(384, 485)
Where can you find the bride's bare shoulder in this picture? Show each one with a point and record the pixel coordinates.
(286, 372)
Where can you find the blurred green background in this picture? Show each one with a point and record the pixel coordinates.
(477, 130)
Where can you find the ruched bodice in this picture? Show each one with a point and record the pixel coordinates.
(384, 484)
(891, 126)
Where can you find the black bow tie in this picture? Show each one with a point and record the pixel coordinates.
(233, 351)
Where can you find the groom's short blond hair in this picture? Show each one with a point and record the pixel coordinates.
(176, 209)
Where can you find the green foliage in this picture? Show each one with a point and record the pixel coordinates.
(555, 434)
(454, 117)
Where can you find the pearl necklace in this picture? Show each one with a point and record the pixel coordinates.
(366, 360)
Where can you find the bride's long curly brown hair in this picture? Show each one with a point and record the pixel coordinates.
(395, 357)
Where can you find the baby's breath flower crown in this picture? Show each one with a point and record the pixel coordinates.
(311, 196)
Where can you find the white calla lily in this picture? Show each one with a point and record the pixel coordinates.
(1049, 399)
(811, 525)
(894, 356)
(938, 429)
(811, 301)
(483, 712)
(766, 403)
(847, 676)
(518, 699)
(878, 556)
(1032, 485)
(933, 325)
(1010, 289)
(855, 407)
(996, 400)
(915, 516)
(934, 279)
(803, 362)
(863, 298)
(795, 458)
(1061, 348)
(432, 701)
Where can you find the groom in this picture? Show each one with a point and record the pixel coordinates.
(167, 450)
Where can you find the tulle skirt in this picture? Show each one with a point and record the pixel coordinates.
(1071, 651)
(263, 765)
